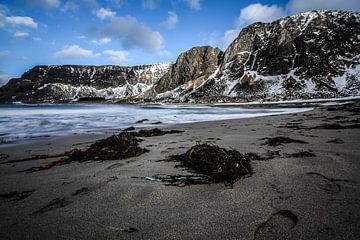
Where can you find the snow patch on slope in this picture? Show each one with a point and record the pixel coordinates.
(66, 91)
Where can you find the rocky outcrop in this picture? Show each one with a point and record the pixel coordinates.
(67, 82)
(313, 54)
(196, 64)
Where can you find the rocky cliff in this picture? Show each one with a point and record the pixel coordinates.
(310, 55)
(197, 64)
(313, 54)
(68, 82)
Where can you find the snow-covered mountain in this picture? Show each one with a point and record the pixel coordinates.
(310, 55)
(68, 82)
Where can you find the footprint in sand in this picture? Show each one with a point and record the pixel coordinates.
(52, 205)
(277, 226)
(329, 185)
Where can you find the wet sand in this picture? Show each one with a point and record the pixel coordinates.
(291, 195)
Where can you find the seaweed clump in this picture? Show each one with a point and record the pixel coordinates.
(219, 164)
(276, 141)
(154, 132)
(335, 126)
(302, 154)
(120, 146)
(116, 147)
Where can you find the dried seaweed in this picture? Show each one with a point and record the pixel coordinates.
(219, 164)
(276, 141)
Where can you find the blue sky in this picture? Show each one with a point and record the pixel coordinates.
(128, 32)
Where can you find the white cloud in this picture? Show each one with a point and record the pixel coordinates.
(70, 6)
(36, 39)
(229, 37)
(4, 53)
(75, 51)
(103, 13)
(18, 34)
(297, 6)
(193, 4)
(133, 34)
(46, 3)
(149, 4)
(259, 13)
(4, 78)
(101, 41)
(21, 21)
(171, 21)
(256, 12)
(13, 23)
(116, 57)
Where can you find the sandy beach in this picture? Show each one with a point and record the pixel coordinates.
(307, 189)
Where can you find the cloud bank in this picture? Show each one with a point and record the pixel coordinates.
(259, 13)
(133, 34)
(18, 34)
(21, 21)
(101, 41)
(103, 13)
(74, 52)
(116, 57)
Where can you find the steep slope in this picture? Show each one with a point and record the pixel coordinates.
(314, 54)
(195, 64)
(64, 82)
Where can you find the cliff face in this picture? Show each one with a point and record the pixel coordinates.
(314, 54)
(197, 63)
(310, 55)
(66, 82)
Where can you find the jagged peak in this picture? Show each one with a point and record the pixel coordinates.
(321, 13)
(200, 48)
(300, 17)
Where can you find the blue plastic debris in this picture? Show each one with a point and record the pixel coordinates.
(181, 178)
(153, 179)
(198, 178)
(175, 178)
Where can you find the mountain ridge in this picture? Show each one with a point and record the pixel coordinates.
(310, 55)
(301, 56)
(67, 82)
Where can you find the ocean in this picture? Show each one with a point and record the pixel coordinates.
(25, 121)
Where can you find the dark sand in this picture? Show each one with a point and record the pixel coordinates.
(289, 196)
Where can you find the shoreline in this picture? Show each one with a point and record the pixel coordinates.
(32, 137)
(287, 197)
(250, 103)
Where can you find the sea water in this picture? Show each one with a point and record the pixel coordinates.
(22, 121)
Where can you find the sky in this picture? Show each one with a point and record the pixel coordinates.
(129, 32)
